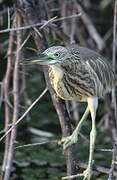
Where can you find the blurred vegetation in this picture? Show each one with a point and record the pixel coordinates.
(47, 161)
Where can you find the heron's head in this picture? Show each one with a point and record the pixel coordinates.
(52, 55)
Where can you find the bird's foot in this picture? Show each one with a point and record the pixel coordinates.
(68, 141)
(87, 173)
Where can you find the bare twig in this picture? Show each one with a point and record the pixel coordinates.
(40, 24)
(23, 43)
(16, 104)
(113, 162)
(105, 150)
(97, 168)
(5, 87)
(1, 94)
(26, 112)
(21, 28)
(72, 176)
(47, 22)
(38, 144)
(64, 13)
(73, 29)
(8, 18)
(91, 28)
(114, 59)
(68, 17)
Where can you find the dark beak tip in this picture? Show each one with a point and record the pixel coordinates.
(40, 57)
(26, 60)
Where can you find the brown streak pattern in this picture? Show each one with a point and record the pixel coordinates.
(85, 74)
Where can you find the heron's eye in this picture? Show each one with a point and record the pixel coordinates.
(57, 54)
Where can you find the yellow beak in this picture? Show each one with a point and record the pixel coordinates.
(42, 59)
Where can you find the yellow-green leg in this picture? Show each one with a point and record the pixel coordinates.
(68, 141)
(92, 104)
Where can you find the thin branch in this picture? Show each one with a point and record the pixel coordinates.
(1, 94)
(72, 176)
(68, 17)
(47, 22)
(21, 28)
(8, 18)
(97, 168)
(23, 43)
(113, 162)
(114, 59)
(40, 24)
(26, 112)
(5, 87)
(37, 144)
(90, 27)
(105, 150)
(15, 102)
(73, 29)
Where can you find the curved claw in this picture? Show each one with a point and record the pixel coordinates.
(68, 141)
(87, 173)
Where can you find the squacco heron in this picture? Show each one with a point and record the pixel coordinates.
(80, 74)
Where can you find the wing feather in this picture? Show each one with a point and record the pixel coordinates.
(99, 67)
